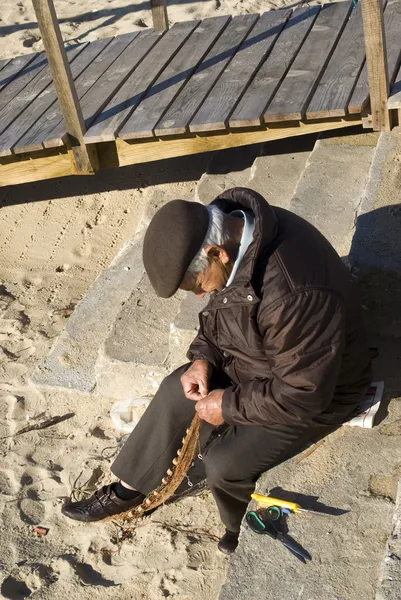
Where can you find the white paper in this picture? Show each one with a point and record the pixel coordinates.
(369, 406)
(122, 413)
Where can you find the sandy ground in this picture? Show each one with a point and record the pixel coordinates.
(19, 32)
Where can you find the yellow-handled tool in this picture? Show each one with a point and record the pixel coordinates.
(269, 501)
(292, 506)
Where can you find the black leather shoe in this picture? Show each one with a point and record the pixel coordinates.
(102, 504)
(228, 542)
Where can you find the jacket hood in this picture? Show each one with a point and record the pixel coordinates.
(266, 225)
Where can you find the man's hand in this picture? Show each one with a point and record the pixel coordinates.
(195, 381)
(209, 408)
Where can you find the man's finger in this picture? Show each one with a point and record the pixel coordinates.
(203, 388)
(193, 395)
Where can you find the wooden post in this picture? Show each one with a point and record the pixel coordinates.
(159, 14)
(85, 157)
(376, 59)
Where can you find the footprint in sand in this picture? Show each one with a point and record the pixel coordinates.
(83, 251)
(31, 40)
(8, 483)
(201, 555)
(32, 509)
(7, 407)
(14, 590)
(87, 574)
(53, 489)
(26, 582)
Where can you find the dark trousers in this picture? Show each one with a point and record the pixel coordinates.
(233, 456)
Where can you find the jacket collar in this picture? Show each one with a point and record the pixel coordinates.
(266, 227)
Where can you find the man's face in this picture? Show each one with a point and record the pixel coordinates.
(214, 278)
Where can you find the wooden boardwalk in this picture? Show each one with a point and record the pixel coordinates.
(241, 79)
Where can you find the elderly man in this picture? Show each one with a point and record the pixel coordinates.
(280, 360)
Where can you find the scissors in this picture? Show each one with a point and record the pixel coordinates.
(268, 523)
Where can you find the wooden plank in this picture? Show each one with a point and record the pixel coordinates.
(249, 111)
(232, 83)
(22, 133)
(129, 96)
(86, 160)
(107, 51)
(12, 67)
(162, 93)
(4, 62)
(24, 77)
(376, 62)
(188, 101)
(159, 15)
(293, 95)
(392, 24)
(338, 81)
(145, 151)
(395, 95)
(114, 111)
(32, 116)
(52, 118)
(45, 165)
(31, 91)
(107, 86)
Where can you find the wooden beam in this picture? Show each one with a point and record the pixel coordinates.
(51, 163)
(159, 14)
(46, 164)
(376, 59)
(129, 153)
(86, 160)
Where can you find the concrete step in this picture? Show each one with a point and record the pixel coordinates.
(355, 470)
(184, 328)
(332, 186)
(122, 341)
(116, 342)
(377, 239)
(226, 169)
(272, 169)
(73, 358)
(276, 172)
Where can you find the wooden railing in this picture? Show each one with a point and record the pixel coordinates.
(85, 157)
(376, 59)
(159, 14)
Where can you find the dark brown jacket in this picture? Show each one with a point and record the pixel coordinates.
(288, 331)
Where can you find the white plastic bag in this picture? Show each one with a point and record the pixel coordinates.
(125, 414)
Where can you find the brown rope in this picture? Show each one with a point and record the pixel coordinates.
(174, 476)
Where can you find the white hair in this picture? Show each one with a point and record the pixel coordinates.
(215, 236)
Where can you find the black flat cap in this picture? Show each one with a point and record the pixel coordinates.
(174, 237)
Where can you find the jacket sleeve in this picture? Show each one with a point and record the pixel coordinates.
(304, 339)
(202, 349)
